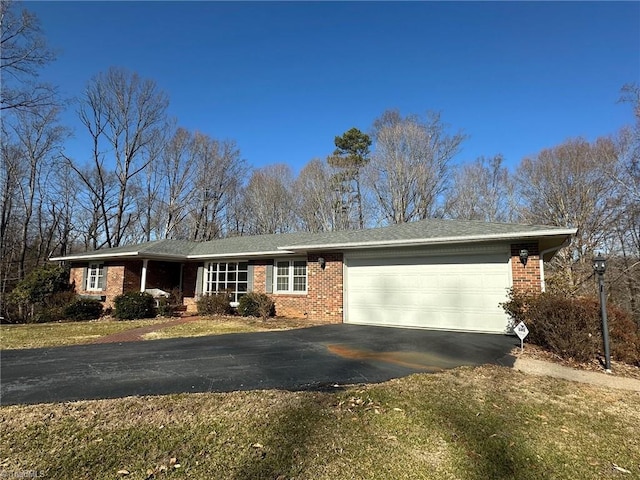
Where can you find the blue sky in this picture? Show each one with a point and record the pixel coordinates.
(284, 78)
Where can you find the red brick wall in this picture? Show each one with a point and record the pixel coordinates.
(260, 276)
(290, 306)
(132, 276)
(526, 278)
(121, 276)
(287, 305)
(75, 277)
(324, 290)
(323, 300)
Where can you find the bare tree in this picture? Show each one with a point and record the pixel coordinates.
(316, 198)
(23, 52)
(63, 208)
(122, 114)
(409, 169)
(31, 141)
(11, 171)
(568, 186)
(169, 187)
(38, 140)
(219, 169)
(625, 281)
(482, 190)
(269, 201)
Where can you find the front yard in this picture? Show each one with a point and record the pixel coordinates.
(76, 333)
(468, 423)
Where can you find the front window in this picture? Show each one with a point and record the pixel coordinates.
(95, 276)
(226, 276)
(291, 276)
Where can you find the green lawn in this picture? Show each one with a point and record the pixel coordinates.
(468, 423)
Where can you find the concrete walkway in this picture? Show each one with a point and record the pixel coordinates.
(542, 368)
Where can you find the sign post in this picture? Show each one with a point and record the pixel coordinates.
(521, 331)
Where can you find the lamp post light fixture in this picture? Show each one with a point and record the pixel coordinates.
(599, 267)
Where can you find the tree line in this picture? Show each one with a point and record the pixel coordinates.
(146, 178)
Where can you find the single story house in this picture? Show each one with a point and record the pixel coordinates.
(441, 274)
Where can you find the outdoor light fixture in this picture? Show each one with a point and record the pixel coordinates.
(600, 266)
(524, 255)
(322, 262)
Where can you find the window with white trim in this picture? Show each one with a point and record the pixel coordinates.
(290, 276)
(226, 276)
(95, 276)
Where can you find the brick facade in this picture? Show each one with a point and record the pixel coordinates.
(323, 300)
(325, 288)
(122, 276)
(526, 278)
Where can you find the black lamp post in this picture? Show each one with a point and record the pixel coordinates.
(600, 266)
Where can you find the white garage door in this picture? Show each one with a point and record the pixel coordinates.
(451, 292)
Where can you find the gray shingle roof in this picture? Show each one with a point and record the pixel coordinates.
(423, 232)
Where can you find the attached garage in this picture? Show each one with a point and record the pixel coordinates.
(434, 273)
(440, 289)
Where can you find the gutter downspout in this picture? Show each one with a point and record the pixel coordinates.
(543, 285)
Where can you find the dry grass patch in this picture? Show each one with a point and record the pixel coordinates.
(66, 333)
(488, 422)
(76, 333)
(219, 325)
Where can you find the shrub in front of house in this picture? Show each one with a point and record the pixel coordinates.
(133, 305)
(83, 309)
(572, 328)
(215, 304)
(52, 309)
(40, 296)
(255, 304)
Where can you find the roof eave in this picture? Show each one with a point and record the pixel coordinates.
(104, 256)
(432, 241)
(203, 256)
(94, 256)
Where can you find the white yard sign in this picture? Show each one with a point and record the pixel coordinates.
(521, 331)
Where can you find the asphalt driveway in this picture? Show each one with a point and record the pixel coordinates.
(316, 358)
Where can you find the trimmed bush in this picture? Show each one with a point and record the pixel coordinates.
(133, 305)
(572, 328)
(215, 304)
(254, 304)
(83, 309)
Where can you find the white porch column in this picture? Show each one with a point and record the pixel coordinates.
(143, 277)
